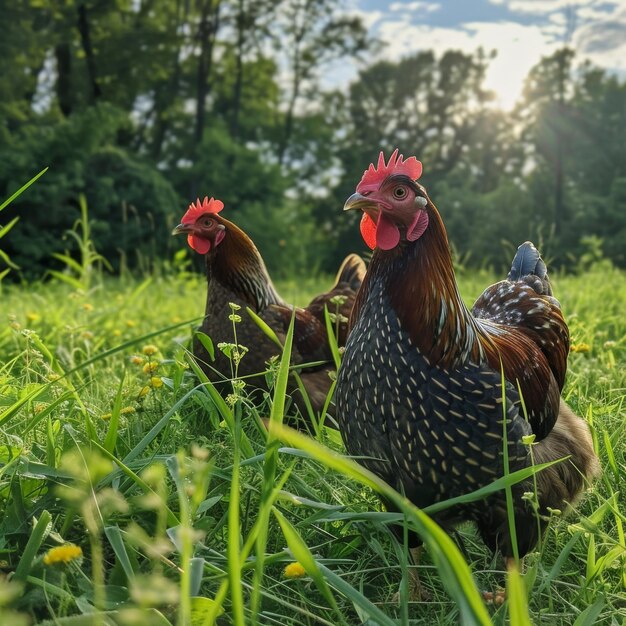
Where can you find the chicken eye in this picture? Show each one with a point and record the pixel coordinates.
(207, 222)
(399, 193)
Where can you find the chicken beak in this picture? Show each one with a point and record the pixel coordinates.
(182, 229)
(358, 201)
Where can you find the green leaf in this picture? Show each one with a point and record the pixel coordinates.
(111, 436)
(269, 468)
(37, 537)
(264, 327)
(233, 550)
(203, 608)
(207, 343)
(516, 595)
(497, 485)
(589, 617)
(114, 535)
(66, 278)
(23, 188)
(332, 340)
(5, 229)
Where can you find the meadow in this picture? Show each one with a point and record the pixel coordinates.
(132, 493)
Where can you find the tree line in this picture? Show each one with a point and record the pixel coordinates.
(142, 105)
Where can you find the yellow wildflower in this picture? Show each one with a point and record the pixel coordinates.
(294, 570)
(149, 350)
(136, 359)
(88, 307)
(131, 323)
(150, 367)
(580, 347)
(156, 382)
(32, 317)
(176, 319)
(62, 554)
(144, 392)
(127, 410)
(116, 332)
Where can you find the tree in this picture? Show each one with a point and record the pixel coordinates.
(313, 33)
(547, 113)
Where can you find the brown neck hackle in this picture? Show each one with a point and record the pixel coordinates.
(237, 265)
(423, 292)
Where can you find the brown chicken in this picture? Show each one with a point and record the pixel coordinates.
(237, 274)
(419, 394)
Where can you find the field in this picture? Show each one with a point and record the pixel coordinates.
(179, 510)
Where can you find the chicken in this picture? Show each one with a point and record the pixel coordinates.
(237, 274)
(419, 395)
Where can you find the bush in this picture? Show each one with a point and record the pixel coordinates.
(131, 203)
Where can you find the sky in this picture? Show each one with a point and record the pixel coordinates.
(521, 31)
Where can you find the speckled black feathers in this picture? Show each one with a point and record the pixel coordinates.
(431, 433)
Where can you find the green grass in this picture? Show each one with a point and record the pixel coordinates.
(186, 511)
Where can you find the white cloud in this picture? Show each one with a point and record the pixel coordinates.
(590, 13)
(519, 48)
(603, 42)
(427, 7)
(540, 6)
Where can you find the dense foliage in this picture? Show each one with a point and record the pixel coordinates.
(143, 105)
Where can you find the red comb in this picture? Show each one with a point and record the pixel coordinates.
(374, 176)
(200, 208)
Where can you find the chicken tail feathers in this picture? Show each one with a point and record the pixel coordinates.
(527, 261)
(561, 485)
(351, 272)
(529, 267)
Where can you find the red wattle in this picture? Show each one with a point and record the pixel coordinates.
(387, 233)
(368, 231)
(201, 246)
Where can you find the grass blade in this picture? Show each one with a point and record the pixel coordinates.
(114, 421)
(518, 601)
(332, 340)
(234, 546)
(23, 188)
(37, 537)
(269, 467)
(114, 535)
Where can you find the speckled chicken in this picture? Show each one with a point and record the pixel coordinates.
(237, 274)
(419, 394)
